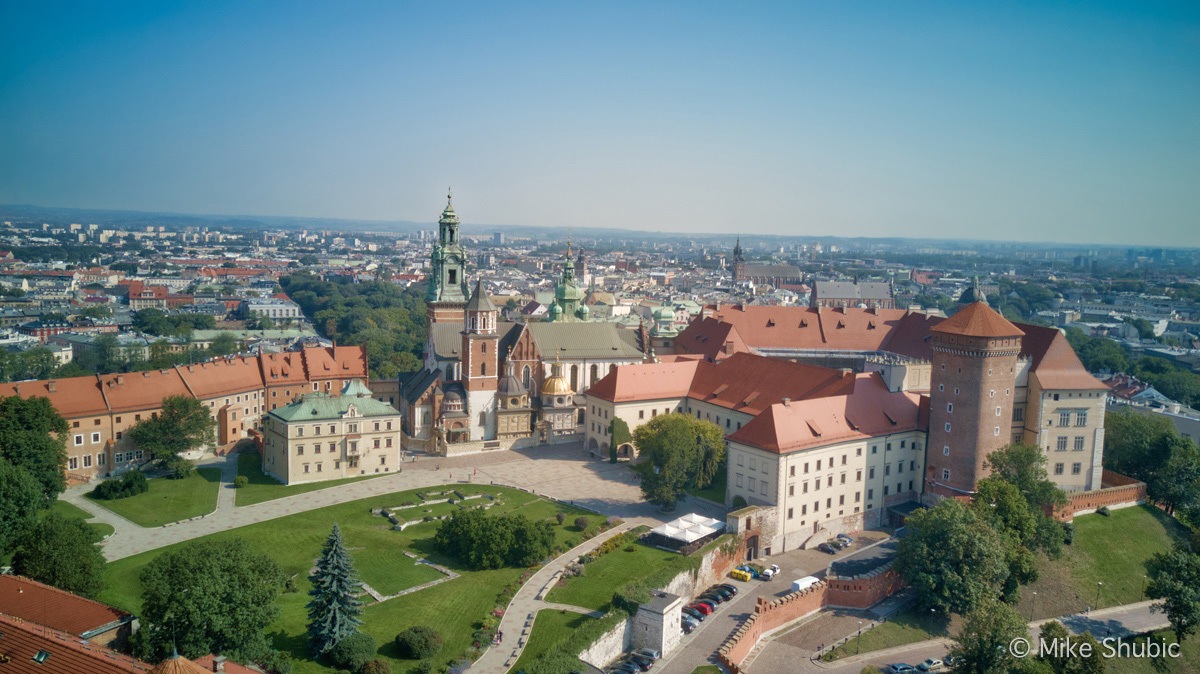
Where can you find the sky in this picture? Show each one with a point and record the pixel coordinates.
(1037, 121)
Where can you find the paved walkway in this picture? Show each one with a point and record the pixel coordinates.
(517, 622)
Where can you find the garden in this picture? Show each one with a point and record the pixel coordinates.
(378, 532)
(259, 487)
(168, 500)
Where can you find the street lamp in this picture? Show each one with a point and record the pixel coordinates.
(1033, 608)
(858, 640)
(1099, 586)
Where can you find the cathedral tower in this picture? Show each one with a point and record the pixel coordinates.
(971, 396)
(479, 363)
(739, 262)
(446, 295)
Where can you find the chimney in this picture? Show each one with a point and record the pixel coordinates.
(847, 372)
(219, 663)
(120, 379)
(787, 402)
(52, 386)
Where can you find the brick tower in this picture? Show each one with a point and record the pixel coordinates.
(971, 395)
(480, 372)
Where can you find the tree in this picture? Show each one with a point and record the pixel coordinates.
(353, 652)
(1025, 467)
(208, 597)
(1060, 661)
(1175, 578)
(61, 551)
(183, 425)
(418, 642)
(224, 344)
(33, 436)
(1136, 444)
(982, 647)
(678, 452)
(1176, 484)
(483, 542)
(334, 612)
(21, 500)
(1000, 505)
(618, 434)
(952, 559)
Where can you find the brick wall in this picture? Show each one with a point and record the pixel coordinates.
(864, 591)
(767, 616)
(1118, 490)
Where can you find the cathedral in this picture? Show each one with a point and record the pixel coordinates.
(487, 383)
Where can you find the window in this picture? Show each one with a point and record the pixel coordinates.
(74, 424)
(354, 447)
(903, 444)
(791, 490)
(874, 449)
(306, 467)
(87, 460)
(753, 463)
(818, 464)
(887, 469)
(829, 503)
(942, 387)
(376, 445)
(78, 440)
(946, 450)
(900, 467)
(945, 473)
(858, 475)
(95, 437)
(998, 410)
(991, 393)
(996, 431)
(842, 500)
(739, 480)
(804, 488)
(332, 447)
(1076, 468)
(750, 483)
(949, 407)
(804, 509)
(1064, 418)
(41, 657)
(947, 426)
(319, 465)
(762, 487)
(857, 496)
(299, 450)
(858, 451)
(332, 429)
(1081, 418)
(870, 494)
(739, 459)
(73, 463)
(791, 471)
(1058, 469)
(1079, 443)
(316, 448)
(885, 490)
(388, 442)
(871, 473)
(1061, 444)
(843, 478)
(1018, 414)
(789, 513)
(889, 445)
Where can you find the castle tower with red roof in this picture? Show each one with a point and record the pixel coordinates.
(971, 398)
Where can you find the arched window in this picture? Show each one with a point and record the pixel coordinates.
(574, 377)
(525, 377)
(595, 375)
(483, 369)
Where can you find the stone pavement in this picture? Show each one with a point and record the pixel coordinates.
(563, 472)
(517, 623)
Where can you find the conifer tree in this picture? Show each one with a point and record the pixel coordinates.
(334, 612)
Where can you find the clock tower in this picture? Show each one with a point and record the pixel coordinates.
(447, 296)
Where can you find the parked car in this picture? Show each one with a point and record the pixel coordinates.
(728, 586)
(703, 609)
(626, 668)
(687, 627)
(827, 548)
(726, 595)
(694, 614)
(707, 602)
(901, 668)
(713, 597)
(931, 665)
(839, 543)
(644, 663)
(688, 623)
(846, 538)
(649, 652)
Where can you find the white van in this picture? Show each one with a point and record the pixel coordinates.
(804, 583)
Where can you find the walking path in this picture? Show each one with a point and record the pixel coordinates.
(517, 622)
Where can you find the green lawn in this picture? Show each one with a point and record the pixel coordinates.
(71, 510)
(550, 629)
(168, 500)
(1112, 550)
(604, 576)
(453, 607)
(906, 627)
(263, 487)
(707, 669)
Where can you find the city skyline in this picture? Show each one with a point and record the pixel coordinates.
(1032, 123)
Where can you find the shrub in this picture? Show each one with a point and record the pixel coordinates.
(240, 481)
(131, 483)
(582, 522)
(630, 548)
(418, 642)
(738, 502)
(1068, 532)
(425, 667)
(1103, 510)
(275, 662)
(561, 517)
(377, 666)
(354, 651)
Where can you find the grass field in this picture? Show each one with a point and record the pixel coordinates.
(550, 629)
(715, 491)
(263, 487)
(71, 510)
(1112, 550)
(707, 669)
(604, 576)
(453, 607)
(1187, 662)
(168, 500)
(906, 627)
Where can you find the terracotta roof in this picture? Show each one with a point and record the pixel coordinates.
(64, 653)
(870, 411)
(1054, 361)
(335, 362)
(648, 381)
(140, 390)
(231, 667)
(222, 377)
(50, 606)
(977, 319)
(282, 368)
(178, 665)
(73, 396)
(767, 328)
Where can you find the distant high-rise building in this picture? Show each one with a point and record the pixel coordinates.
(498, 238)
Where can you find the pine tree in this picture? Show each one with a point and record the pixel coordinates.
(334, 612)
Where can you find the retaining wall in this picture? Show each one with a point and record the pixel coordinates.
(769, 615)
(1117, 491)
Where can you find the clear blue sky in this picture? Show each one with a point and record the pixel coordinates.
(1073, 121)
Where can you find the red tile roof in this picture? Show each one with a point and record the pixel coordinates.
(224, 377)
(978, 320)
(46, 605)
(646, 381)
(22, 640)
(870, 411)
(231, 667)
(1054, 361)
(134, 391)
(73, 396)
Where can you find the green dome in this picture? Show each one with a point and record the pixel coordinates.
(664, 313)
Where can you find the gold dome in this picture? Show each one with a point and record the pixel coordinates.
(556, 385)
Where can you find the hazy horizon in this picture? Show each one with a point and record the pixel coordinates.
(1057, 123)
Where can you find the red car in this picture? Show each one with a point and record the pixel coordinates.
(701, 607)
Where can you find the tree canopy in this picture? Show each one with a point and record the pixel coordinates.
(334, 612)
(183, 424)
(33, 436)
(1024, 466)
(951, 558)
(208, 597)
(481, 541)
(982, 647)
(1175, 578)
(61, 551)
(21, 500)
(678, 452)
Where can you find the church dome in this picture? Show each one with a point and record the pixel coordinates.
(510, 386)
(555, 311)
(583, 312)
(556, 385)
(664, 313)
(972, 294)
